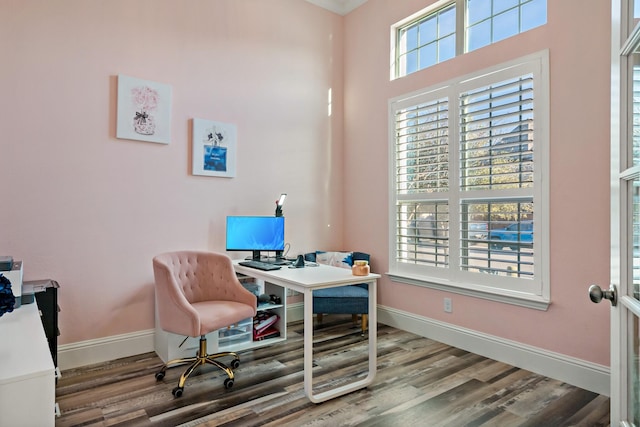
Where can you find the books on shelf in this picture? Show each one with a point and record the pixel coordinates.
(270, 332)
(260, 324)
(263, 326)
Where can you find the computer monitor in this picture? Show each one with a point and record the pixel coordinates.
(256, 234)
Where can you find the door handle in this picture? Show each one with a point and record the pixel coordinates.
(597, 294)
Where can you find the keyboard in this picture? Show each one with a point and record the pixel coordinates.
(259, 265)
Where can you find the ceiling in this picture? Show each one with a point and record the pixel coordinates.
(341, 7)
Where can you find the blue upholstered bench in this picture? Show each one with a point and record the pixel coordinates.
(352, 299)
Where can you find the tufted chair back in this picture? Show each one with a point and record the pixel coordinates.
(198, 292)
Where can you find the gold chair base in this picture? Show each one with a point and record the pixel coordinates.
(201, 358)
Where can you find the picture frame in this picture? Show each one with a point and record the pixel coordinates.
(144, 110)
(214, 148)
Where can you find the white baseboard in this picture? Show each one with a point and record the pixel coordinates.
(104, 349)
(101, 350)
(295, 312)
(586, 375)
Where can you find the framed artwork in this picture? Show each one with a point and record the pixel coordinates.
(214, 148)
(144, 110)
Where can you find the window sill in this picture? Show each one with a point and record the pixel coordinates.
(491, 294)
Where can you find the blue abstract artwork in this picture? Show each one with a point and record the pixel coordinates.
(214, 148)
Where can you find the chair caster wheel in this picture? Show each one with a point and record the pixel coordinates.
(159, 376)
(177, 392)
(228, 383)
(235, 364)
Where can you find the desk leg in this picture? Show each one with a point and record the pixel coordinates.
(308, 344)
(308, 349)
(373, 331)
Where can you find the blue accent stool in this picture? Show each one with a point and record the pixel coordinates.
(352, 299)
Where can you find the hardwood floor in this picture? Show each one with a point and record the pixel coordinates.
(420, 382)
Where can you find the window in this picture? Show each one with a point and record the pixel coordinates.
(427, 42)
(437, 34)
(469, 205)
(489, 21)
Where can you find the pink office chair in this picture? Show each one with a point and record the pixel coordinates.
(198, 293)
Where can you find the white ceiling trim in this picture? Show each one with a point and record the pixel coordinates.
(341, 7)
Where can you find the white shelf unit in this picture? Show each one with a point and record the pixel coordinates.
(168, 346)
(27, 373)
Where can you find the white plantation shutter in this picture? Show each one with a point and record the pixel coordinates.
(466, 187)
(422, 148)
(496, 154)
(422, 168)
(496, 136)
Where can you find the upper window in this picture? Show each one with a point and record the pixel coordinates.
(468, 199)
(432, 35)
(430, 40)
(489, 21)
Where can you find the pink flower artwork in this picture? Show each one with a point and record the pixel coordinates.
(145, 101)
(145, 98)
(144, 110)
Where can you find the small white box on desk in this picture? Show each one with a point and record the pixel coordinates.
(15, 277)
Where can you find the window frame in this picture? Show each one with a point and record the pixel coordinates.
(453, 278)
(461, 32)
(433, 14)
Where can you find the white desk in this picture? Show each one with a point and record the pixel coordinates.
(306, 280)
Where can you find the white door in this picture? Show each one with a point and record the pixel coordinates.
(625, 215)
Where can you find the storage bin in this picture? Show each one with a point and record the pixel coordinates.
(235, 333)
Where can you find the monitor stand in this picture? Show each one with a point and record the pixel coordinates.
(278, 260)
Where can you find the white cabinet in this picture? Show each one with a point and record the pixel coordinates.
(234, 338)
(27, 374)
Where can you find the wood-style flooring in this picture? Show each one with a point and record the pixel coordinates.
(419, 382)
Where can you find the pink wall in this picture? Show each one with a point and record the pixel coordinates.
(90, 210)
(579, 170)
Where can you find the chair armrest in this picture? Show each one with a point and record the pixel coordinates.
(176, 314)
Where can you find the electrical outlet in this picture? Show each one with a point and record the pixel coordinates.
(448, 305)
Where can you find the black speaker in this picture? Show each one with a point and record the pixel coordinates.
(299, 262)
